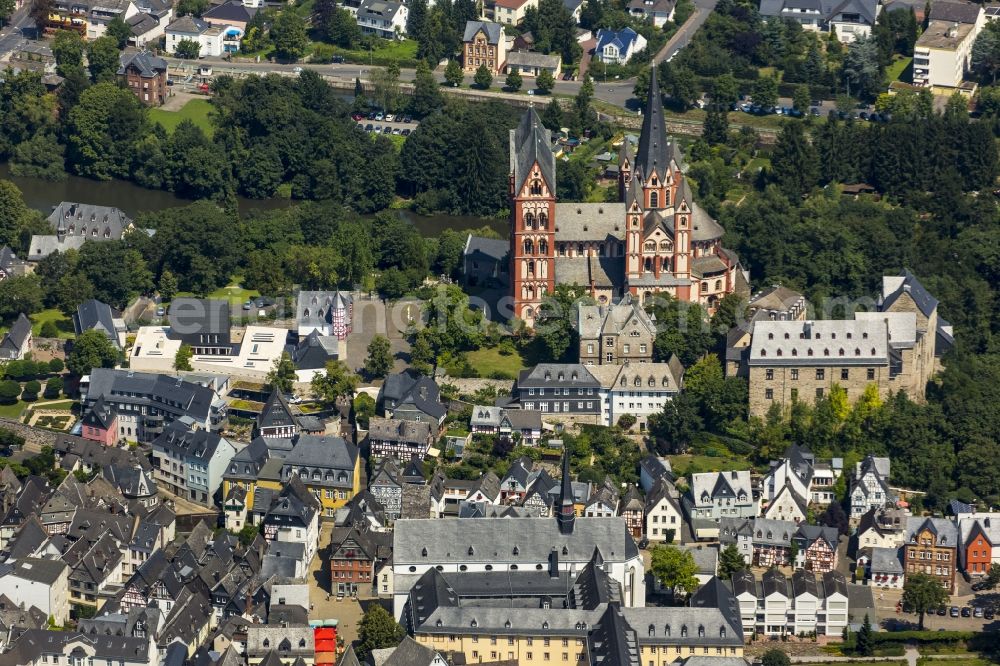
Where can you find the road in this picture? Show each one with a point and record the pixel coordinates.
(681, 38)
(10, 35)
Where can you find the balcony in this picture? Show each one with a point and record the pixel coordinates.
(60, 22)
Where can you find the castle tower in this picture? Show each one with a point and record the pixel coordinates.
(533, 207)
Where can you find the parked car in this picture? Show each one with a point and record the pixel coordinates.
(942, 610)
(160, 312)
(371, 116)
(387, 130)
(407, 119)
(369, 127)
(954, 611)
(378, 129)
(294, 399)
(389, 117)
(248, 305)
(297, 70)
(405, 132)
(336, 60)
(981, 585)
(357, 116)
(966, 611)
(814, 111)
(379, 116)
(396, 131)
(988, 614)
(977, 612)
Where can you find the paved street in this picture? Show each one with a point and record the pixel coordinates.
(10, 35)
(702, 8)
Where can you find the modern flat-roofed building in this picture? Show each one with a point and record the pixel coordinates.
(943, 52)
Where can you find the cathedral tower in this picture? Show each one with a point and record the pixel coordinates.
(532, 215)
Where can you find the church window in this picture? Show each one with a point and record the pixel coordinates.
(529, 221)
(665, 245)
(529, 313)
(718, 285)
(841, 351)
(536, 187)
(649, 264)
(579, 249)
(666, 198)
(528, 246)
(543, 220)
(654, 200)
(704, 286)
(650, 246)
(531, 268)
(543, 247)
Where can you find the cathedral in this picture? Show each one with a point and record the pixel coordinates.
(655, 239)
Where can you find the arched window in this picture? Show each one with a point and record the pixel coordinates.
(529, 313)
(543, 247)
(543, 220)
(654, 199)
(718, 285)
(649, 264)
(650, 246)
(637, 382)
(529, 247)
(536, 187)
(778, 352)
(531, 267)
(795, 352)
(529, 221)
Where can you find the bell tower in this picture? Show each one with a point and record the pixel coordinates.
(532, 216)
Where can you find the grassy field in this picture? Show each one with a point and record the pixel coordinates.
(13, 411)
(197, 111)
(62, 322)
(489, 360)
(58, 404)
(701, 463)
(894, 72)
(969, 661)
(234, 293)
(388, 50)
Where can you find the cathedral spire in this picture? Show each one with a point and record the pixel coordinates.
(654, 151)
(567, 512)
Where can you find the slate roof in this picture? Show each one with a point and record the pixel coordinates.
(141, 23)
(183, 442)
(655, 153)
(100, 415)
(720, 484)
(190, 25)
(410, 653)
(398, 430)
(39, 570)
(93, 314)
(194, 399)
(316, 308)
(494, 248)
(532, 59)
(569, 375)
(597, 320)
(314, 351)
(276, 412)
(810, 533)
(149, 65)
(324, 453)
(412, 388)
(19, 332)
(230, 11)
(954, 12)
(33, 643)
(590, 270)
(612, 641)
(490, 29)
(530, 144)
(821, 342)
(886, 560)
(895, 286)
(10, 263)
(946, 530)
(623, 39)
(79, 219)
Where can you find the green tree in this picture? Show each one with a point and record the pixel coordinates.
(119, 30)
(862, 70)
(385, 82)
(863, 645)
(49, 330)
(14, 214)
(341, 29)
(247, 534)
(379, 360)
(282, 376)
(675, 428)
(20, 294)
(716, 128)
(9, 391)
(68, 48)
(335, 383)
(765, 92)
(986, 52)
(188, 49)
(288, 33)
(426, 97)
(31, 391)
(923, 593)
(6, 10)
(53, 387)
(513, 82)
(364, 409)
(775, 657)
(483, 78)
(730, 561)
(552, 117)
(801, 98)
(41, 156)
(102, 129)
(91, 349)
(102, 59)
(993, 577)
(182, 359)
(725, 90)
(377, 630)
(167, 286)
(453, 74)
(191, 7)
(544, 82)
(795, 165)
(675, 569)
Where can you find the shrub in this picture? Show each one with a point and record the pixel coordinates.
(53, 387)
(9, 390)
(31, 391)
(56, 365)
(49, 330)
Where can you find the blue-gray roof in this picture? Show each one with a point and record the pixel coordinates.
(490, 29)
(623, 38)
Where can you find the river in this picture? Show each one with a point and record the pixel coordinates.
(44, 195)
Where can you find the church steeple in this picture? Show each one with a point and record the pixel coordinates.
(654, 152)
(567, 512)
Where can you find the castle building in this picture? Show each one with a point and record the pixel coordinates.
(655, 240)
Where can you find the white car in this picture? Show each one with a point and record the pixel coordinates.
(294, 399)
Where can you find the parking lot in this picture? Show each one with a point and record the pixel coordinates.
(964, 601)
(378, 123)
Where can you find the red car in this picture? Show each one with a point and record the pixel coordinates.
(357, 116)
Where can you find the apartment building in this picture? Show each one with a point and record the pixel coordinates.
(943, 53)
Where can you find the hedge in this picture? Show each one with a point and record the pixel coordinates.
(881, 637)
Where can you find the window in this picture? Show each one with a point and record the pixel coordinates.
(794, 393)
(819, 393)
(845, 374)
(820, 373)
(795, 374)
(769, 394)
(769, 374)
(871, 374)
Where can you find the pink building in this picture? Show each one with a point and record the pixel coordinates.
(100, 423)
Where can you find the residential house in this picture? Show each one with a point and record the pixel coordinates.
(230, 13)
(36, 647)
(979, 535)
(883, 567)
(603, 502)
(880, 527)
(632, 510)
(145, 75)
(931, 547)
(485, 260)
(191, 28)
(530, 64)
(148, 25)
(190, 463)
(382, 18)
(511, 12)
(269, 645)
(17, 341)
(716, 495)
(658, 12)
(256, 466)
(523, 423)
(519, 478)
(772, 542)
(484, 43)
(560, 389)
(870, 486)
(90, 18)
(776, 606)
(313, 352)
(330, 313)
(618, 46)
(816, 548)
(786, 505)
(410, 396)
(652, 469)
(943, 53)
(846, 19)
(400, 439)
(147, 402)
(355, 553)
(330, 467)
(100, 423)
(293, 517)
(95, 315)
(575, 8)
(42, 583)
(615, 334)
(11, 265)
(76, 223)
(737, 532)
(276, 418)
(662, 510)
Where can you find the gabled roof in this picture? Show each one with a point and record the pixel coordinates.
(230, 11)
(493, 248)
(182, 441)
(893, 287)
(19, 332)
(276, 412)
(530, 144)
(100, 415)
(622, 39)
(191, 25)
(955, 12)
(493, 31)
(145, 62)
(612, 641)
(810, 533)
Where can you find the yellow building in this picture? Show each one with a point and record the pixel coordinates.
(330, 467)
(256, 465)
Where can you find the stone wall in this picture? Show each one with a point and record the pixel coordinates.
(34, 438)
(470, 386)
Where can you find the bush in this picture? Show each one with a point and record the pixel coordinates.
(56, 365)
(31, 391)
(53, 387)
(9, 390)
(49, 330)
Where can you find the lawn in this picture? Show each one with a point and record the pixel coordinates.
(58, 404)
(234, 293)
(701, 463)
(489, 361)
(401, 51)
(858, 663)
(895, 71)
(972, 660)
(197, 111)
(62, 322)
(14, 410)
